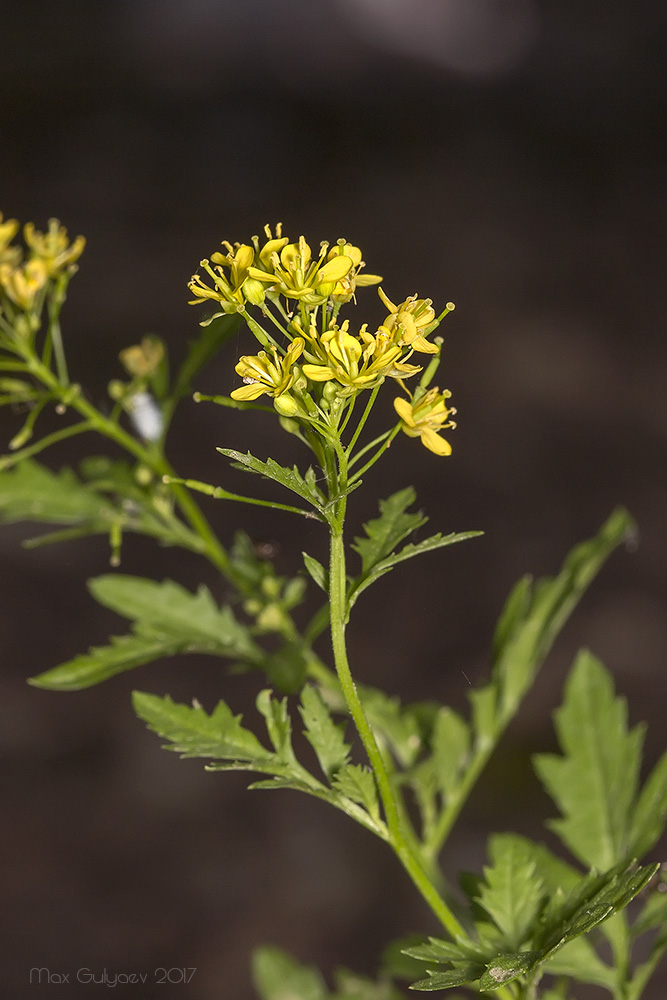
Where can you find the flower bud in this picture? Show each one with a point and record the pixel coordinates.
(287, 405)
(254, 291)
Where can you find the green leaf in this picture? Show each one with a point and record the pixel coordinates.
(594, 783)
(513, 892)
(648, 817)
(304, 486)
(278, 725)
(31, 492)
(277, 976)
(505, 969)
(483, 702)
(451, 749)
(513, 615)
(443, 980)
(579, 960)
(593, 900)
(443, 952)
(357, 783)
(392, 724)
(317, 571)
(325, 736)
(654, 913)
(193, 733)
(559, 877)
(102, 662)
(528, 627)
(287, 667)
(383, 533)
(438, 541)
(350, 986)
(193, 619)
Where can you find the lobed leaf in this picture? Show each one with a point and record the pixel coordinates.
(530, 621)
(325, 736)
(304, 486)
(357, 783)
(383, 533)
(193, 733)
(102, 662)
(195, 620)
(594, 782)
(31, 492)
(393, 724)
(277, 976)
(513, 893)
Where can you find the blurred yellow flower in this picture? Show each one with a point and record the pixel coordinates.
(425, 416)
(144, 359)
(8, 230)
(266, 372)
(21, 284)
(53, 247)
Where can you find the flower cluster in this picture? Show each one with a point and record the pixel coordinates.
(313, 364)
(23, 275)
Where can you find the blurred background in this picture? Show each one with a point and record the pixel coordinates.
(506, 154)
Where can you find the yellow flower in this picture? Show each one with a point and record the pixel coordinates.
(22, 283)
(296, 275)
(144, 359)
(8, 230)
(231, 280)
(425, 416)
(343, 290)
(53, 247)
(267, 373)
(357, 362)
(232, 283)
(408, 320)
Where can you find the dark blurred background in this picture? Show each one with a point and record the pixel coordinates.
(506, 154)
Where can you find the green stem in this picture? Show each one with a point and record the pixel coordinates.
(364, 417)
(378, 454)
(397, 838)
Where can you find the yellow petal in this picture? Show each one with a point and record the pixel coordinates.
(418, 343)
(256, 272)
(404, 409)
(335, 269)
(435, 443)
(244, 257)
(387, 302)
(317, 373)
(251, 391)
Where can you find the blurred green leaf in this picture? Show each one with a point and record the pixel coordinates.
(167, 607)
(530, 622)
(277, 976)
(316, 571)
(512, 893)
(594, 782)
(649, 815)
(102, 662)
(31, 492)
(392, 724)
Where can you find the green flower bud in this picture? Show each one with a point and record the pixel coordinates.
(254, 291)
(286, 405)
